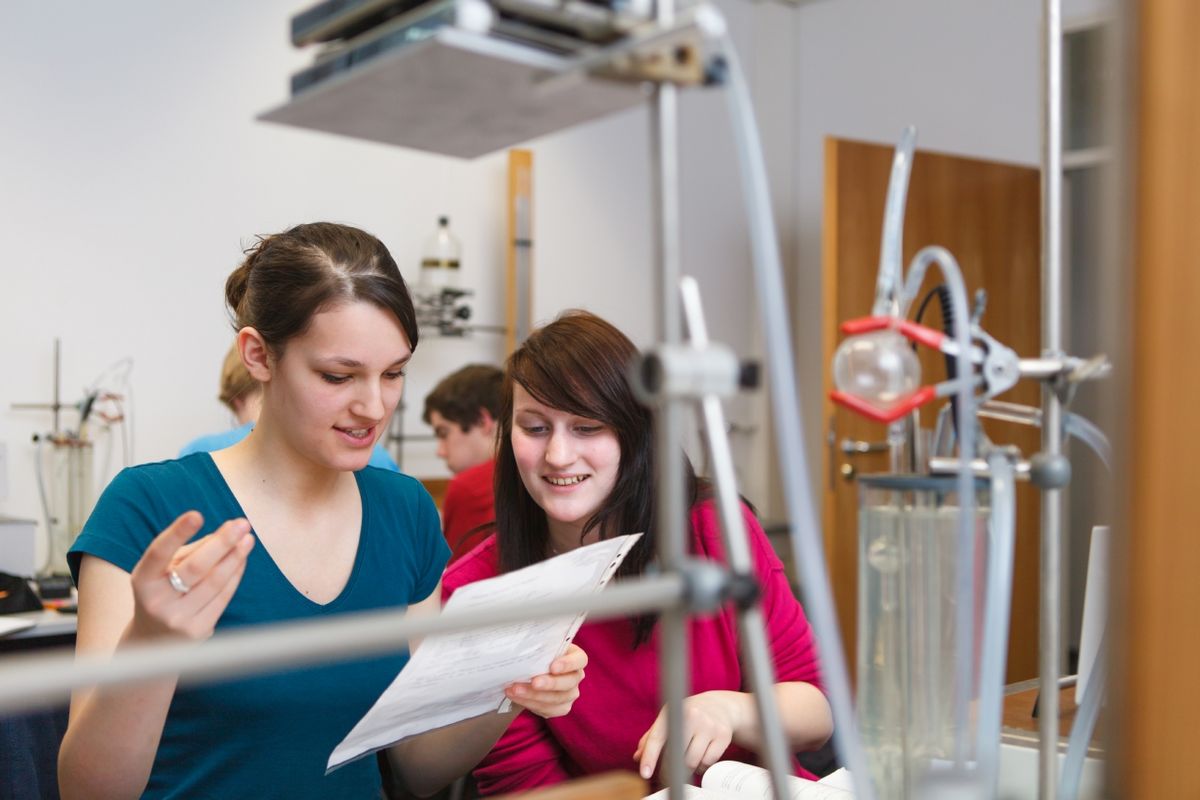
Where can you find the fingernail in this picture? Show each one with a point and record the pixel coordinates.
(518, 690)
(646, 773)
(539, 683)
(557, 666)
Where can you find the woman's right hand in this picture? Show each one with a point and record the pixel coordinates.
(206, 574)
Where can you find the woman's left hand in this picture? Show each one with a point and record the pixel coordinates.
(552, 694)
(709, 722)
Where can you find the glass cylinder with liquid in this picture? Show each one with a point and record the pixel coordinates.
(440, 258)
(907, 630)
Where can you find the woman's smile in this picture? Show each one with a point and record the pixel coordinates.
(568, 463)
(565, 481)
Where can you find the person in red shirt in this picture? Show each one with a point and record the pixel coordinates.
(462, 410)
(575, 464)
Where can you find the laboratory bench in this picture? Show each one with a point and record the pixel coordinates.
(1020, 721)
(29, 742)
(50, 629)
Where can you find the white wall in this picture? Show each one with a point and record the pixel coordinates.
(133, 171)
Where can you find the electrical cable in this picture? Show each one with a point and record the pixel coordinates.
(997, 599)
(1090, 434)
(925, 302)
(113, 383)
(119, 370)
(942, 293)
(807, 548)
(1075, 425)
(891, 256)
(964, 623)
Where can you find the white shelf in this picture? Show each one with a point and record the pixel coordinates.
(457, 93)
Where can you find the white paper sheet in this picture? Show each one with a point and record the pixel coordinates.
(456, 676)
(749, 781)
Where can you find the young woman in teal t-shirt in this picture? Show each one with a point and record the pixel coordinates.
(288, 523)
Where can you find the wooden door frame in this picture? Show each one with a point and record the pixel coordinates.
(1157, 694)
(986, 212)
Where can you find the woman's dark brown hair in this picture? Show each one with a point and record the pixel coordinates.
(577, 364)
(289, 277)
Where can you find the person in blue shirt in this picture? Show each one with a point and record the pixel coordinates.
(242, 395)
(288, 524)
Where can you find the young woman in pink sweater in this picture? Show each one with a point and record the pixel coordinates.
(575, 465)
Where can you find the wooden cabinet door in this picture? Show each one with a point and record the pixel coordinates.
(987, 215)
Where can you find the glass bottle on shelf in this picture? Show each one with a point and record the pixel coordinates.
(440, 258)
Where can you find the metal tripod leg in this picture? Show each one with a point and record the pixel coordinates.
(756, 655)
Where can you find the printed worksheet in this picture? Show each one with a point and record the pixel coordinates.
(456, 676)
(733, 780)
(750, 781)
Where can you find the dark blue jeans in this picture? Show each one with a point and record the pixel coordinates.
(29, 754)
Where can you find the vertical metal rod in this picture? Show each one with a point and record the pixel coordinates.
(756, 651)
(665, 125)
(1049, 623)
(672, 513)
(674, 680)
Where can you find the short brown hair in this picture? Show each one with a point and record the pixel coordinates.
(235, 379)
(287, 278)
(463, 394)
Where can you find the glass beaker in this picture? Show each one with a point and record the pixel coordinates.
(908, 635)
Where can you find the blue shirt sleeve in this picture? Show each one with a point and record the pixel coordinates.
(216, 441)
(381, 459)
(121, 526)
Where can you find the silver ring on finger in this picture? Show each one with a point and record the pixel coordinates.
(178, 583)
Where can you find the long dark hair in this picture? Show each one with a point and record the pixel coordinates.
(289, 277)
(578, 364)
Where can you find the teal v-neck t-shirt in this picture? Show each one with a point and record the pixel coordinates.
(271, 735)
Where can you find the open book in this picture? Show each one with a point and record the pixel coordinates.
(456, 676)
(733, 780)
